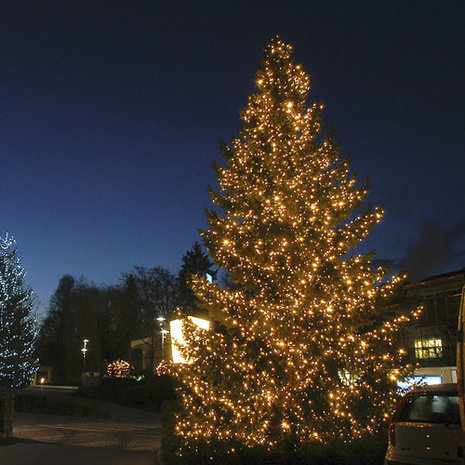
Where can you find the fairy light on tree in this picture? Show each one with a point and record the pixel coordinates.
(300, 352)
(18, 332)
(119, 369)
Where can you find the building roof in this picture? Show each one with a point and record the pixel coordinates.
(446, 283)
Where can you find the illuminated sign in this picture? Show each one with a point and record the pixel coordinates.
(411, 381)
(177, 336)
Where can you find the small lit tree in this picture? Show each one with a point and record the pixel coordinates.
(119, 369)
(17, 327)
(300, 353)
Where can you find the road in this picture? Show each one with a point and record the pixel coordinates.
(130, 437)
(60, 454)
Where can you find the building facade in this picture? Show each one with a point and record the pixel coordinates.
(431, 341)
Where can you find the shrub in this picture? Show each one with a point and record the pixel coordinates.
(147, 394)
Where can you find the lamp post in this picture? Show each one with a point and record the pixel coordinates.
(164, 332)
(84, 352)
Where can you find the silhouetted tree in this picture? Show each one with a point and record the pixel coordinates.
(158, 296)
(195, 262)
(58, 344)
(125, 319)
(76, 312)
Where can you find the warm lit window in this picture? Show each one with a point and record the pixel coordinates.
(428, 348)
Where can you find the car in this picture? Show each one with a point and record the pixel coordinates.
(425, 428)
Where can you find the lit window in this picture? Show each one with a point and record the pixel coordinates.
(347, 377)
(428, 348)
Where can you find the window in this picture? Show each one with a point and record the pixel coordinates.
(428, 348)
(408, 383)
(432, 408)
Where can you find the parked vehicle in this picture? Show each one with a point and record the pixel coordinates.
(461, 358)
(426, 429)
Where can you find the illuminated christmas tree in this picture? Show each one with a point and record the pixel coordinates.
(17, 327)
(298, 352)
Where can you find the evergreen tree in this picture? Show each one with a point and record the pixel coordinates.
(130, 318)
(300, 352)
(59, 344)
(124, 316)
(77, 311)
(18, 361)
(157, 290)
(195, 262)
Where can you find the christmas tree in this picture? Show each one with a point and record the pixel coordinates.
(299, 352)
(17, 327)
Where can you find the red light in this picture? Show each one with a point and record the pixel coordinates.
(392, 434)
(395, 419)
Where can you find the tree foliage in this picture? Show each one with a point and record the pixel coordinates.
(73, 315)
(109, 317)
(300, 352)
(195, 262)
(18, 360)
(158, 292)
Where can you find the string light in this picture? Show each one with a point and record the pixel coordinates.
(299, 351)
(119, 369)
(18, 331)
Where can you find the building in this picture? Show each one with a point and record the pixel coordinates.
(431, 341)
(148, 352)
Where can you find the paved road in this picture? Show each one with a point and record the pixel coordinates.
(88, 433)
(59, 454)
(130, 437)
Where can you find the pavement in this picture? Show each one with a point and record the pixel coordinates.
(129, 437)
(34, 453)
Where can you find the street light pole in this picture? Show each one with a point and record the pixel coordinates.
(84, 352)
(163, 332)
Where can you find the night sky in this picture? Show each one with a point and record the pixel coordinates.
(111, 114)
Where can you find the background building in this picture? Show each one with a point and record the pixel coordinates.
(431, 341)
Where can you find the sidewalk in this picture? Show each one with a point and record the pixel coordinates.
(130, 437)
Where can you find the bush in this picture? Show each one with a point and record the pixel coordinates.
(147, 394)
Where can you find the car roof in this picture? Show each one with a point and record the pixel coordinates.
(448, 387)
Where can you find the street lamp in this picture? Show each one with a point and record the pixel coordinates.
(163, 332)
(84, 352)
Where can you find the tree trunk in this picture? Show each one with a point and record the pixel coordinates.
(6, 412)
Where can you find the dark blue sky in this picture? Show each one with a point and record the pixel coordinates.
(111, 113)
